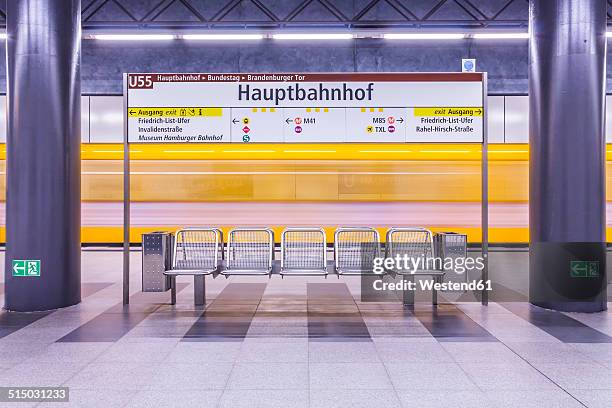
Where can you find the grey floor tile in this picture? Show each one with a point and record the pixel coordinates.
(429, 376)
(301, 337)
(39, 374)
(343, 352)
(446, 399)
(263, 352)
(19, 352)
(264, 399)
(121, 376)
(600, 352)
(252, 376)
(507, 376)
(80, 398)
(214, 351)
(127, 352)
(594, 398)
(71, 352)
(358, 376)
(548, 352)
(533, 399)
(480, 352)
(578, 375)
(191, 376)
(413, 351)
(354, 399)
(175, 399)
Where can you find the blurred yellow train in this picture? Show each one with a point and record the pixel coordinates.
(432, 185)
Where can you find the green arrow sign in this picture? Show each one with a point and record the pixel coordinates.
(584, 269)
(26, 267)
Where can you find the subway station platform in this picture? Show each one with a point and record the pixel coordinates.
(306, 342)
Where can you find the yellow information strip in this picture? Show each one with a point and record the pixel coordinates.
(173, 112)
(448, 111)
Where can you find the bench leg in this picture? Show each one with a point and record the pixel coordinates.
(434, 292)
(199, 290)
(173, 290)
(408, 295)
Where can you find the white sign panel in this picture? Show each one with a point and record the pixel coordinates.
(305, 108)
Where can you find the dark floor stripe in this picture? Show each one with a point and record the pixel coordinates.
(448, 323)
(116, 322)
(557, 324)
(89, 288)
(333, 314)
(229, 316)
(10, 322)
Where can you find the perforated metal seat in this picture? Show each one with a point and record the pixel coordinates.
(355, 249)
(417, 244)
(303, 252)
(250, 251)
(196, 252)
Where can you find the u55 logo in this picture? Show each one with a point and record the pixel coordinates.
(140, 81)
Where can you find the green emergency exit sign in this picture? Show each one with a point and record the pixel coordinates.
(584, 269)
(26, 267)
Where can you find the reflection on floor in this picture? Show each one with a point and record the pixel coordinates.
(304, 342)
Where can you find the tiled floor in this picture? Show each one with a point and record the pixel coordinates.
(303, 342)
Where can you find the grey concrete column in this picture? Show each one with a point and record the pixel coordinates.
(567, 221)
(43, 154)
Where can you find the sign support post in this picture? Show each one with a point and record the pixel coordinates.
(126, 197)
(485, 192)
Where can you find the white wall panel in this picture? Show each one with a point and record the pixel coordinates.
(3, 119)
(495, 119)
(106, 119)
(517, 119)
(608, 119)
(102, 119)
(84, 119)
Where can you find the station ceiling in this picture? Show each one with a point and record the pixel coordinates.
(280, 14)
(287, 14)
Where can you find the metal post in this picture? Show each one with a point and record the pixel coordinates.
(408, 295)
(199, 290)
(126, 198)
(485, 191)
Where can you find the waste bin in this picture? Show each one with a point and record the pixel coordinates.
(156, 259)
(451, 245)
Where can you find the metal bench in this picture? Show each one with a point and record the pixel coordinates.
(415, 243)
(250, 251)
(196, 253)
(303, 252)
(355, 249)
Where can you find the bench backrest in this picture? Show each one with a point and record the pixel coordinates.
(196, 248)
(412, 242)
(303, 248)
(355, 249)
(250, 248)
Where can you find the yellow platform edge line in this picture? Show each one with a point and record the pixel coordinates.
(305, 151)
(110, 235)
(114, 234)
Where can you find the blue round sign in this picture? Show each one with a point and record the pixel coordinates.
(468, 65)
